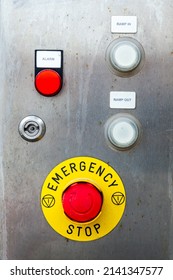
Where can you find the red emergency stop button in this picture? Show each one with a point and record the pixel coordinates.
(48, 82)
(82, 202)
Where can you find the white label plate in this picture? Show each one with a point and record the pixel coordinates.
(122, 99)
(123, 24)
(48, 59)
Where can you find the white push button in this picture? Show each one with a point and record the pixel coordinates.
(122, 131)
(125, 56)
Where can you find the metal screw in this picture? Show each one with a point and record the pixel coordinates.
(32, 128)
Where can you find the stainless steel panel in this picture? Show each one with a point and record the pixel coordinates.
(75, 121)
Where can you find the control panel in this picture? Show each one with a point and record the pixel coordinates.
(86, 129)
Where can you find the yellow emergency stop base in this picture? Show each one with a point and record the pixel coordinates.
(83, 169)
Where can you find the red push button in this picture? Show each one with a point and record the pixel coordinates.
(82, 202)
(48, 82)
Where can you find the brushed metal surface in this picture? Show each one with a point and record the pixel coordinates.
(75, 120)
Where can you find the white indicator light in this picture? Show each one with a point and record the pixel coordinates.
(122, 131)
(125, 56)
